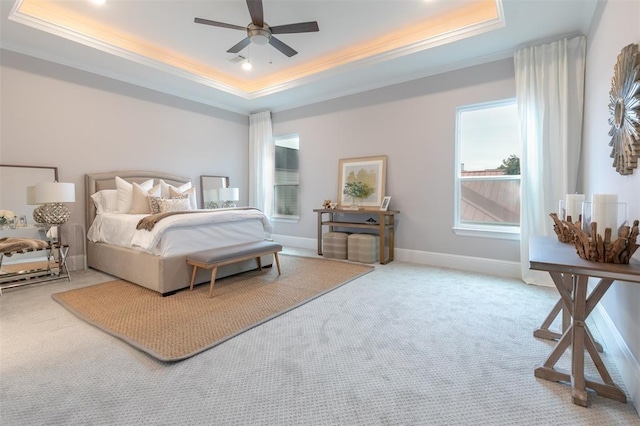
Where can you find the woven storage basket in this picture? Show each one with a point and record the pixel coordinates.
(334, 245)
(363, 248)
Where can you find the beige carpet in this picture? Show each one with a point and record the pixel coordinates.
(179, 326)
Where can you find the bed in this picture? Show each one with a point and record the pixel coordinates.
(159, 262)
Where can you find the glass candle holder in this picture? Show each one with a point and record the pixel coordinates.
(605, 214)
(571, 207)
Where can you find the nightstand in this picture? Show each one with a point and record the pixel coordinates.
(32, 265)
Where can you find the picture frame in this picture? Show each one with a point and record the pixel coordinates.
(385, 203)
(22, 221)
(371, 171)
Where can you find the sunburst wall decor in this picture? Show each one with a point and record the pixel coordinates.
(624, 111)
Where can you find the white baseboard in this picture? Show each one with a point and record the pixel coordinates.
(465, 263)
(298, 242)
(481, 265)
(620, 353)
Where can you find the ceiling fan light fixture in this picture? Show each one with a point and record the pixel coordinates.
(259, 36)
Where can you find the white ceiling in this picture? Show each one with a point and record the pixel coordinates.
(362, 44)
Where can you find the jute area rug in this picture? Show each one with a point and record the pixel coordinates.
(176, 327)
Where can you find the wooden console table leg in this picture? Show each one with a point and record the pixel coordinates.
(320, 233)
(544, 332)
(579, 337)
(392, 226)
(383, 238)
(578, 385)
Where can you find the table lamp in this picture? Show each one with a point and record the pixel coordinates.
(211, 198)
(229, 196)
(38, 215)
(51, 195)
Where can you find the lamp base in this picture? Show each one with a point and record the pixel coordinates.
(38, 215)
(229, 204)
(55, 213)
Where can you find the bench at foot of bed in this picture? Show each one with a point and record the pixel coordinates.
(214, 258)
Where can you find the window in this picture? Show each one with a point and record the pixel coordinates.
(488, 152)
(287, 178)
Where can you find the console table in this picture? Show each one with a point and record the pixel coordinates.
(385, 219)
(570, 274)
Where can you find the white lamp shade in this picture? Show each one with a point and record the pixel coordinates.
(31, 196)
(211, 194)
(229, 194)
(55, 192)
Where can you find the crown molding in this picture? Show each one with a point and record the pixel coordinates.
(477, 18)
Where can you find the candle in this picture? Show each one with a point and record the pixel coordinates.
(604, 212)
(573, 206)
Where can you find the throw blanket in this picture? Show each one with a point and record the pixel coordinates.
(10, 245)
(148, 222)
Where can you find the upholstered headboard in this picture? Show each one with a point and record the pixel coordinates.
(98, 181)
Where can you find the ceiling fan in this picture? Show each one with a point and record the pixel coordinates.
(259, 32)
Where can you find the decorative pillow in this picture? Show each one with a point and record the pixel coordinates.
(154, 202)
(174, 204)
(190, 193)
(125, 193)
(165, 188)
(106, 201)
(140, 199)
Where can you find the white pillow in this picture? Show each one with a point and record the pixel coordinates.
(125, 193)
(165, 188)
(106, 201)
(190, 193)
(174, 204)
(140, 198)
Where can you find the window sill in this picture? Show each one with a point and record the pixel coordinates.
(285, 219)
(511, 233)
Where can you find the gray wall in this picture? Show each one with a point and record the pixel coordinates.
(617, 24)
(414, 125)
(53, 115)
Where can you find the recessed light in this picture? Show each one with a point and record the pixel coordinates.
(247, 66)
(98, 2)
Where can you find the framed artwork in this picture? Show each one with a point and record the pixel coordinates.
(362, 181)
(385, 203)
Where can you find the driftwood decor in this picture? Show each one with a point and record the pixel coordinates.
(563, 231)
(596, 248)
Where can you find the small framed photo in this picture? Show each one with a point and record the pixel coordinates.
(22, 221)
(385, 203)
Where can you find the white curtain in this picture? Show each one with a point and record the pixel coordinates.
(550, 92)
(261, 161)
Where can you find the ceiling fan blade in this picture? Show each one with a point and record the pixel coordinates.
(239, 46)
(218, 24)
(256, 12)
(302, 27)
(282, 47)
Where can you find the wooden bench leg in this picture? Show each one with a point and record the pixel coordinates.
(275, 256)
(193, 276)
(214, 271)
(259, 259)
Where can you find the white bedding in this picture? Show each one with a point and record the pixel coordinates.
(181, 234)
